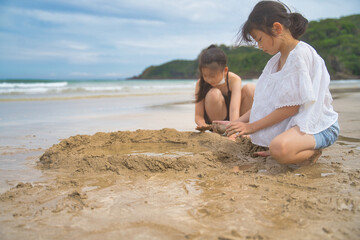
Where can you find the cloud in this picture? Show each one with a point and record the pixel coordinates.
(79, 18)
(181, 46)
(109, 37)
(73, 45)
(51, 55)
(200, 10)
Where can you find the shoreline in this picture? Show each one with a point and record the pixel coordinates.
(90, 97)
(336, 86)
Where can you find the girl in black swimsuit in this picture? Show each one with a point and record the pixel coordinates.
(219, 95)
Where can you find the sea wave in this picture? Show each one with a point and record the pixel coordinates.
(31, 87)
(6, 85)
(83, 88)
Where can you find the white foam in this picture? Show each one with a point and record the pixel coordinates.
(31, 88)
(33, 85)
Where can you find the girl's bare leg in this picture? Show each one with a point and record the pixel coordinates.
(247, 97)
(293, 146)
(215, 106)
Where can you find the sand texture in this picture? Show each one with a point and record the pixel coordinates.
(166, 184)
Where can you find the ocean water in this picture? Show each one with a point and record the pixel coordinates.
(38, 89)
(62, 89)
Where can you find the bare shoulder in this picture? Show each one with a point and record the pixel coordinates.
(197, 83)
(234, 79)
(197, 86)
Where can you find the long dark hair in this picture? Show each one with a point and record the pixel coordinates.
(263, 16)
(214, 58)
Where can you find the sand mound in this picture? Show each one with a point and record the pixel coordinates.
(146, 150)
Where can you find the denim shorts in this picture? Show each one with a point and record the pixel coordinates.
(327, 137)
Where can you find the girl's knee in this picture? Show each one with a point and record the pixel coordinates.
(248, 90)
(279, 150)
(215, 106)
(214, 96)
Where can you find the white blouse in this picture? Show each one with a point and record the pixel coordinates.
(303, 80)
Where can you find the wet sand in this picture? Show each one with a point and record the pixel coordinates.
(169, 184)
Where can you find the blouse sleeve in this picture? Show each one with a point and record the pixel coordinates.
(296, 84)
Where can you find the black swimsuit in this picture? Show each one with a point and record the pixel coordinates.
(227, 103)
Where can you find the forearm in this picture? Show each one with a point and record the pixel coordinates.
(199, 120)
(234, 114)
(275, 117)
(200, 113)
(245, 117)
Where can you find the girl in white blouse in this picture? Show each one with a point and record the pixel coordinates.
(292, 112)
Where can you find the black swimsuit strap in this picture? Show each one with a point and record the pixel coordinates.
(227, 81)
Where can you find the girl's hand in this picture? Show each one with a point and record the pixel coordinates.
(239, 128)
(203, 127)
(219, 126)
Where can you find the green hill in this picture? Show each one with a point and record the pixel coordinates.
(336, 40)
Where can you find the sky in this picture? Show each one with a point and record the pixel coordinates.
(116, 39)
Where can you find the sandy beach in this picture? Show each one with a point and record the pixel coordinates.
(147, 174)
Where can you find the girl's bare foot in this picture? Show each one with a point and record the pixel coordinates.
(232, 137)
(316, 156)
(312, 160)
(245, 136)
(261, 154)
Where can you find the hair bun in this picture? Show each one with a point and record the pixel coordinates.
(298, 25)
(212, 46)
